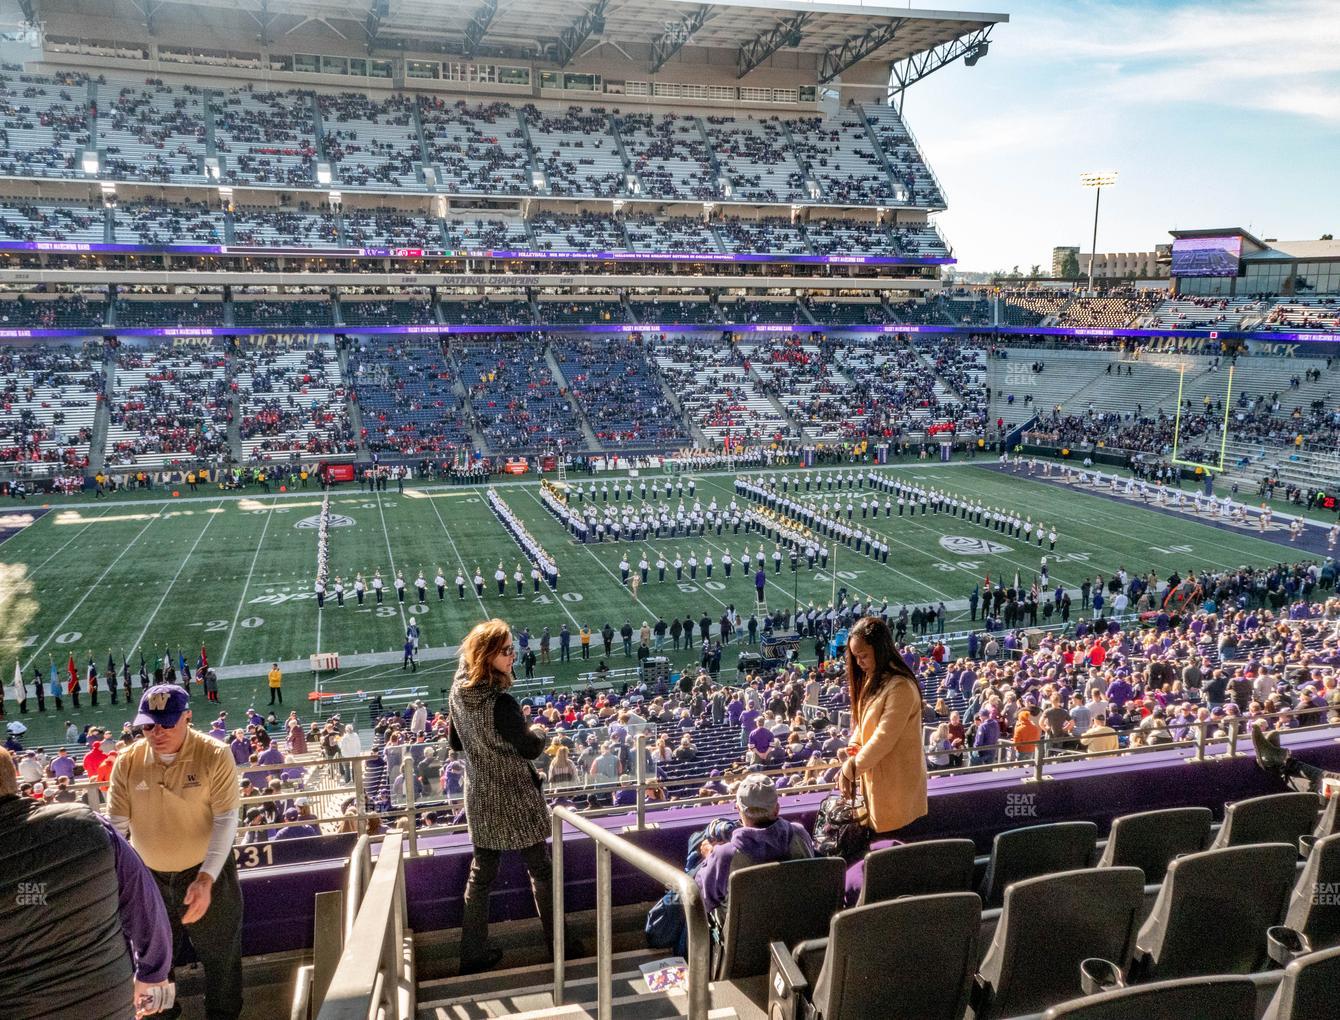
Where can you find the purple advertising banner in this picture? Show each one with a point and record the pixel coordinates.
(90, 247)
(670, 327)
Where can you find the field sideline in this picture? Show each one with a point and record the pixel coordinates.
(235, 572)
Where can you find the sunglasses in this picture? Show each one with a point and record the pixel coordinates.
(509, 651)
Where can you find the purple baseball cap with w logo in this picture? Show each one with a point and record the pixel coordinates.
(162, 705)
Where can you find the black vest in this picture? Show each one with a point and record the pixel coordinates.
(65, 952)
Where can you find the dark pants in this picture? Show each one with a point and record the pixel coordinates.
(216, 938)
(276, 694)
(483, 870)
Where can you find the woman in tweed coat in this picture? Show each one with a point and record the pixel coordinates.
(504, 808)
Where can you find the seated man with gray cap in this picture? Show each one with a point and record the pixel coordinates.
(762, 837)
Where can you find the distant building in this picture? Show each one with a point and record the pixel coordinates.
(1124, 265)
(1061, 257)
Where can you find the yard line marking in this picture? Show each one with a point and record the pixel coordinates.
(182, 566)
(67, 542)
(88, 591)
(386, 535)
(465, 572)
(247, 584)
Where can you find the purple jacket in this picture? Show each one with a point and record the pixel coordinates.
(143, 917)
(776, 842)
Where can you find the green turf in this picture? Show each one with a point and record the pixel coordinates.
(235, 573)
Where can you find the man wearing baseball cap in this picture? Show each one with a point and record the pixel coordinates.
(763, 837)
(174, 793)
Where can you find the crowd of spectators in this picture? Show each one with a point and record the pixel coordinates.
(66, 311)
(156, 222)
(32, 222)
(266, 225)
(478, 148)
(404, 388)
(266, 137)
(757, 158)
(585, 231)
(169, 404)
(619, 389)
(576, 151)
(387, 311)
(669, 155)
(291, 397)
(716, 391)
(370, 142)
(147, 312)
(773, 234)
(365, 228)
(285, 312)
(517, 405)
(48, 398)
(154, 132)
(842, 159)
(487, 312)
(43, 123)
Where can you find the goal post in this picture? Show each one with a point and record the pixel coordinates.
(1223, 426)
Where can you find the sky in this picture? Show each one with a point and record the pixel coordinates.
(1214, 113)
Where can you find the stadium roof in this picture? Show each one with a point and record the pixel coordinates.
(833, 34)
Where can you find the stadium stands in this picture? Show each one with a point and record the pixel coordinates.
(388, 226)
(669, 234)
(490, 311)
(497, 234)
(475, 147)
(392, 309)
(620, 392)
(757, 159)
(768, 234)
(405, 390)
(291, 398)
(370, 142)
(160, 223)
(669, 155)
(517, 405)
(276, 311)
(169, 404)
(585, 231)
(48, 400)
(146, 310)
(151, 131)
(267, 137)
(45, 123)
(46, 311)
(41, 221)
(268, 226)
(576, 151)
(717, 392)
(842, 159)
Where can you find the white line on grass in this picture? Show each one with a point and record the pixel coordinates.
(404, 626)
(241, 599)
(483, 610)
(89, 591)
(166, 591)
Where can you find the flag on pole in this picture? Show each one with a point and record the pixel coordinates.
(20, 693)
(74, 676)
(204, 659)
(1016, 580)
(55, 679)
(986, 582)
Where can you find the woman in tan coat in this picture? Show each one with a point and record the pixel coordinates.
(885, 763)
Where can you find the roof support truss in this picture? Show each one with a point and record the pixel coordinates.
(29, 9)
(479, 26)
(910, 70)
(373, 24)
(758, 49)
(850, 52)
(572, 37)
(676, 35)
(148, 9)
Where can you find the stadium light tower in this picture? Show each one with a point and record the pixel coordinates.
(1098, 180)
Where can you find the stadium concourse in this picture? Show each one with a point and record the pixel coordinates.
(329, 332)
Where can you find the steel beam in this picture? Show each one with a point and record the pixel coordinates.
(910, 70)
(572, 37)
(765, 44)
(676, 35)
(373, 25)
(850, 52)
(479, 26)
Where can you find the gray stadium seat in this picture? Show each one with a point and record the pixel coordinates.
(1208, 998)
(1150, 839)
(1274, 818)
(1309, 988)
(918, 869)
(1075, 915)
(1213, 910)
(785, 901)
(848, 976)
(1036, 850)
(1314, 907)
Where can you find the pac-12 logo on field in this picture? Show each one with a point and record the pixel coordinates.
(336, 521)
(962, 545)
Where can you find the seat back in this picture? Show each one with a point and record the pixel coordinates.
(906, 959)
(1308, 991)
(1075, 915)
(1209, 998)
(1037, 850)
(1274, 818)
(1150, 839)
(918, 869)
(1235, 893)
(1314, 907)
(1329, 822)
(786, 901)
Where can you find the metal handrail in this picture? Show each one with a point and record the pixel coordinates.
(609, 844)
(375, 973)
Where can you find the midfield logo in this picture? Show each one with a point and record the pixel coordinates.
(962, 545)
(336, 521)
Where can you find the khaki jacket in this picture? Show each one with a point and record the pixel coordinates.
(891, 763)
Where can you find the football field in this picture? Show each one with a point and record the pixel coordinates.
(234, 573)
